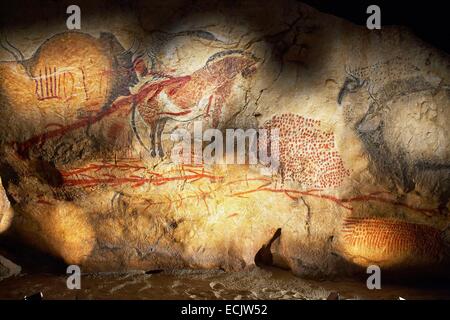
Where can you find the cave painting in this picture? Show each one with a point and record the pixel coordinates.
(53, 84)
(401, 241)
(132, 173)
(308, 154)
(399, 92)
(118, 94)
(69, 70)
(203, 94)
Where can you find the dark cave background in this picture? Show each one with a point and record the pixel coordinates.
(429, 20)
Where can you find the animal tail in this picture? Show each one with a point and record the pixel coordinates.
(133, 127)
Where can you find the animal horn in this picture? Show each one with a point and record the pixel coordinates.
(346, 69)
(5, 44)
(134, 47)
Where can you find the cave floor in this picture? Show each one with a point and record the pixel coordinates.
(257, 284)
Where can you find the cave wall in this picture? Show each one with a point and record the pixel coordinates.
(86, 118)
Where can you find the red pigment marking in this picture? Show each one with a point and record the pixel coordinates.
(101, 173)
(181, 113)
(23, 147)
(296, 194)
(209, 106)
(158, 87)
(153, 88)
(372, 197)
(178, 202)
(44, 202)
(307, 154)
(389, 238)
(136, 181)
(51, 80)
(115, 130)
(48, 85)
(139, 67)
(214, 82)
(184, 96)
(95, 167)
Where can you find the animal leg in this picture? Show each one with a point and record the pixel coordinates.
(160, 128)
(152, 139)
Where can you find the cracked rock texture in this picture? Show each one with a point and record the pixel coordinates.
(86, 119)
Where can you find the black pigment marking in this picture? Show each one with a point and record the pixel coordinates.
(407, 80)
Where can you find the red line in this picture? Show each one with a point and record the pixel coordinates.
(44, 202)
(84, 84)
(50, 77)
(341, 202)
(54, 79)
(23, 147)
(181, 113)
(209, 106)
(40, 80)
(118, 181)
(428, 212)
(46, 82)
(98, 167)
(36, 88)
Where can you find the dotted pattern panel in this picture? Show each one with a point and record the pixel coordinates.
(307, 153)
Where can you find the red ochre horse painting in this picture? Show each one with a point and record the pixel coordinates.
(182, 98)
(203, 94)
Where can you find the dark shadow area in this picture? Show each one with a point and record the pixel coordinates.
(427, 19)
(31, 260)
(264, 256)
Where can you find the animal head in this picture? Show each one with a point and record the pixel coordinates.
(230, 63)
(124, 74)
(353, 82)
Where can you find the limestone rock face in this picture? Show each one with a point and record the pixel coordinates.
(88, 121)
(6, 212)
(8, 268)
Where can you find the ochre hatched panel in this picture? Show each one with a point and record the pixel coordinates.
(390, 242)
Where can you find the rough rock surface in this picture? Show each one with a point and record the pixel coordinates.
(364, 140)
(8, 268)
(6, 212)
